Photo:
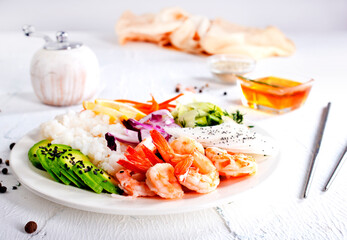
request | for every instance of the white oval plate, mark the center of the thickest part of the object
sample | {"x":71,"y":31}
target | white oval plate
{"x":43,"y":185}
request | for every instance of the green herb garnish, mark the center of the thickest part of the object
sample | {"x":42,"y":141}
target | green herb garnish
{"x":237,"y":117}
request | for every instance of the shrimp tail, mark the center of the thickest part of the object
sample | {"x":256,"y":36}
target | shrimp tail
{"x":182,"y":168}
{"x":134,"y":161}
{"x":128,"y":165}
{"x":151,"y":156}
{"x":162,"y":145}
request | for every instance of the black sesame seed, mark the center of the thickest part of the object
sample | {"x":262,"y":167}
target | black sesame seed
{"x":80,"y":172}
{"x":7,"y":162}
{"x":35,"y":155}
{"x":225,"y":93}
{"x":4,"y":170}
{"x":49,"y":144}
{"x":109,"y":177}
{"x":101,"y":172}
{"x":0,"y":160}
{"x":14,"y":188}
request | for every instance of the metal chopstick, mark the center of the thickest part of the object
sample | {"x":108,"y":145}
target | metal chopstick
{"x":319,"y":137}
{"x":336,"y":170}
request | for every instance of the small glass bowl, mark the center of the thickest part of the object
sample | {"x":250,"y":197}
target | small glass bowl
{"x":275,"y":94}
{"x":225,"y":67}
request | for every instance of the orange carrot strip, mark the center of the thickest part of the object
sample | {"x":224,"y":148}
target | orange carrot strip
{"x":171,"y":99}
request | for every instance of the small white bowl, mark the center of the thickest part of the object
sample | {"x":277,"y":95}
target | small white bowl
{"x":225,"y":66}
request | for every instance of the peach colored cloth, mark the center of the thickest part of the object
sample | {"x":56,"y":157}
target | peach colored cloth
{"x":198,"y":34}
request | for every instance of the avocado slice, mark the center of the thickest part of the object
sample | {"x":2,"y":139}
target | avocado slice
{"x":33,"y":156}
{"x":52,"y":151}
{"x":65,"y":166}
{"x":69,"y":160}
{"x":50,"y":160}
{"x":74,"y":179}
{"x":41,"y":154}
{"x":58,"y":150}
{"x":86,"y":177}
{"x":98,"y":175}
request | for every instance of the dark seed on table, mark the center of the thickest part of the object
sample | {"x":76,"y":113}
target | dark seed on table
{"x":0,"y":184}
{"x":3,"y":189}
{"x":200,"y":91}
{"x":12,"y":145}
{"x":30,"y":227}
{"x":225,"y":93}
{"x":4,"y":170}
{"x":14,"y":188}
{"x":0,"y":160}
{"x":7,"y":162}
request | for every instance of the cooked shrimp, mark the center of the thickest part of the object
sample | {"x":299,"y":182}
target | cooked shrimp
{"x":131,"y":186}
{"x":186,"y":145}
{"x":202,"y":176}
{"x":231,"y":165}
{"x":194,"y":171}
{"x":161,"y":179}
{"x":165,"y":150}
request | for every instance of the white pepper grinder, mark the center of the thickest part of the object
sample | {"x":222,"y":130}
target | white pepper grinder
{"x":63,"y":73}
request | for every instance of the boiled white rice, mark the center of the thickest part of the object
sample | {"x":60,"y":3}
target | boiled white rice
{"x":86,"y":131}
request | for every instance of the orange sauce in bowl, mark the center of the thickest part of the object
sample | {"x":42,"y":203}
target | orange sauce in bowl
{"x":274,"y":93}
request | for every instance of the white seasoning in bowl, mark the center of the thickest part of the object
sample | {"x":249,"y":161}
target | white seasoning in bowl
{"x":230,"y":67}
{"x":224,"y":67}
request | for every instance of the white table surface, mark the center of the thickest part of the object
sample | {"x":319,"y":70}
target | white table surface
{"x":273,"y":210}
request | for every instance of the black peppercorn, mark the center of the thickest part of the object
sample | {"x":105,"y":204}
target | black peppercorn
{"x":3,"y":189}
{"x":4,"y":170}
{"x":30,"y":227}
